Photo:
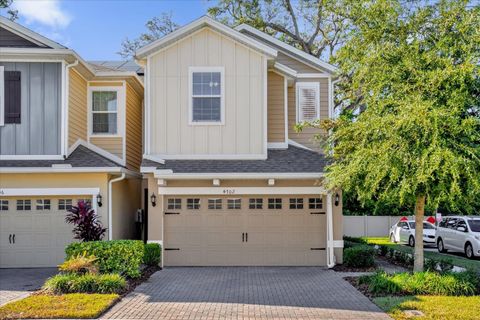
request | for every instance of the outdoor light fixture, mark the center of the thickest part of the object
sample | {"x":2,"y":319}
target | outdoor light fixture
{"x":153,"y":199}
{"x":337,"y":199}
{"x":99,"y":200}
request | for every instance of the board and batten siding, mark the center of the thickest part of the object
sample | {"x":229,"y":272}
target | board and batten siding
{"x":306,"y":136}
{"x":114,"y":145}
{"x":39,"y":132}
{"x":243,"y":131}
{"x":276,"y":107}
{"x":77,"y":104}
{"x":134,"y":128}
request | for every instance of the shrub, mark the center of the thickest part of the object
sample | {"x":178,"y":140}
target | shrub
{"x":117,"y":256}
{"x":79,"y":264}
{"x":426,"y":283}
{"x":359,"y":257}
{"x":86,"y":283}
{"x":87,"y":225}
{"x":355,"y":239}
{"x":152,"y":254}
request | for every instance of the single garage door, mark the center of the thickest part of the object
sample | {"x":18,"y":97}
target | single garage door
{"x":245,"y":231}
{"x":33,"y":231}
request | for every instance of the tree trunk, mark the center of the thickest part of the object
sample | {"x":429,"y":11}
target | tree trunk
{"x":419,"y":215}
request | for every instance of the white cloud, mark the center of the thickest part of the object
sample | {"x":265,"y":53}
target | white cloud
{"x":46,"y":12}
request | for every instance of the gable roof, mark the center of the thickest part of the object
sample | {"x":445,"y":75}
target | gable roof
{"x":200,"y":23}
{"x":29,"y":35}
{"x":301,"y":55}
{"x":109,"y":65}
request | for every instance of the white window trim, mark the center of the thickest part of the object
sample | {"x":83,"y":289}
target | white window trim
{"x":191,"y":70}
{"x":316,"y":86}
{"x":2,"y":96}
{"x":121,"y":106}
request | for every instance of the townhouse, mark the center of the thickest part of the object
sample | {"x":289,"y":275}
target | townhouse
{"x":228,"y":180}
{"x":69,"y":130}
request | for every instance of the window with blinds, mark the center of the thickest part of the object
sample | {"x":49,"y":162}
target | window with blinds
{"x":308,"y":101}
{"x":206,"y":95}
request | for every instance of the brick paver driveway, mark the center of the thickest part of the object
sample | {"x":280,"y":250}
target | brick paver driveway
{"x":19,"y":283}
{"x":245,"y":293}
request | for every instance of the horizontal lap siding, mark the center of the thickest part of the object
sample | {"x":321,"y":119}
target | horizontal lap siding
{"x":114,"y":145}
{"x":242,"y":132}
{"x":276,"y":108}
{"x":77,"y":102}
{"x":133,"y":129}
{"x":306,"y":137}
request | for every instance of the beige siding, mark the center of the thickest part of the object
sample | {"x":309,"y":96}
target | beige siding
{"x":105,"y":84}
{"x":114,"y":145}
{"x":306,"y":137}
{"x":77,"y":102}
{"x":125,"y":202}
{"x":276,"y":107}
{"x":243,"y":131}
{"x":133,"y":129}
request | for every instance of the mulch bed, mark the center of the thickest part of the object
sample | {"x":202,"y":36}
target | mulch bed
{"x":147,"y":271}
{"x":344,"y":268}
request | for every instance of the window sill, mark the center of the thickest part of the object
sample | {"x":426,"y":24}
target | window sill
{"x":206,"y":123}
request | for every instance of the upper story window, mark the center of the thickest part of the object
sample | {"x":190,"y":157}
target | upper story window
{"x":207,"y":97}
{"x":308,"y":101}
{"x":104,"y":112}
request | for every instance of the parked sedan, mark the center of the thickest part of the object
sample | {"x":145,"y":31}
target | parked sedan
{"x":461,"y":234}
{"x":404,"y":232}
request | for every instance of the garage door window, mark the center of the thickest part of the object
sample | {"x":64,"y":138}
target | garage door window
{"x":296,"y":203}
{"x":275,"y":203}
{"x":255,"y":203}
{"x":174,"y":204}
{"x":64,"y":204}
{"x":315,"y":203}
{"x":214,"y":204}
{"x":43,"y":204}
{"x":234,"y":203}
{"x":23,"y":205}
{"x":3,"y":205}
{"x":193,"y":204}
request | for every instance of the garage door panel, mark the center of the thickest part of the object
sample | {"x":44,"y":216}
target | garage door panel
{"x":281,"y":237}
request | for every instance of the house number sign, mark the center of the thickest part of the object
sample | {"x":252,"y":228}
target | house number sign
{"x":228,"y":191}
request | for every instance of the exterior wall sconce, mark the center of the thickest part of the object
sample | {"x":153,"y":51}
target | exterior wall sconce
{"x":153,"y":199}
{"x":99,"y":200}
{"x":337,"y":199}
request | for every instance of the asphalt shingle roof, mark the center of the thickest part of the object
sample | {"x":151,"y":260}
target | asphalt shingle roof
{"x":293,"y":160}
{"x":80,"y":157}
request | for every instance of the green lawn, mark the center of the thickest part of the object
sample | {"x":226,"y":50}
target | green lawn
{"x":433,"y":307}
{"x":75,"y":305}
{"x":456,"y":260}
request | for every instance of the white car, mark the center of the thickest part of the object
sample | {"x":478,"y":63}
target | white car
{"x":404,"y":232}
{"x":459,"y":233}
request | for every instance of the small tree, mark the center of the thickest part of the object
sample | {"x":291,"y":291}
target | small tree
{"x":87,"y":227}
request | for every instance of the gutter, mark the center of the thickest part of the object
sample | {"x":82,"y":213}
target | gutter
{"x":246,"y":176}
{"x":110,"y":196}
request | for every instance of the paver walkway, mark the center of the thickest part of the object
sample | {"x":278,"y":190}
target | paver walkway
{"x":245,"y":293}
{"x":19,"y":283}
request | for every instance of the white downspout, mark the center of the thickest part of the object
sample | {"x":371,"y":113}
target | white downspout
{"x":110,"y":196}
{"x":330,"y":252}
{"x":67,"y":104}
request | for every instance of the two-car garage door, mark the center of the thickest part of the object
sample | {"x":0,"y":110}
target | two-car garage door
{"x":244,"y":231}
{"x":33,"y":231}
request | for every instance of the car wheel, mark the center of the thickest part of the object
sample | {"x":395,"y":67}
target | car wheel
{"x":469,"y":251}
{"x":441,"y":247}
{"x":392,"y":238}
{"x":411,"y":241}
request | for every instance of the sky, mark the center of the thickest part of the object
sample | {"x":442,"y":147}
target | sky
{"x":95,"y":29}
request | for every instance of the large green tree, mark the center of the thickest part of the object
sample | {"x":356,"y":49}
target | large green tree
{"x":417,"y":139}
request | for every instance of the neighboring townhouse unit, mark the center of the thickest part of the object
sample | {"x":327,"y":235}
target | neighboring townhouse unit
{"x":228,"y":181}
{"x":69,"y":130}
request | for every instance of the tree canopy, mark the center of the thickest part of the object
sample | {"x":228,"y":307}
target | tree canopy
{"x":418,"y":137}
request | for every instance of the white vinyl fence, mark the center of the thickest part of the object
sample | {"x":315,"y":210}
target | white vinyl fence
{"x":369,"y":226}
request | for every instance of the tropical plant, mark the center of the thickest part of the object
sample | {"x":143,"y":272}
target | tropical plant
{"x":87,"y":226}
{"x":80,"y":264}
{"x":86,"y":283}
